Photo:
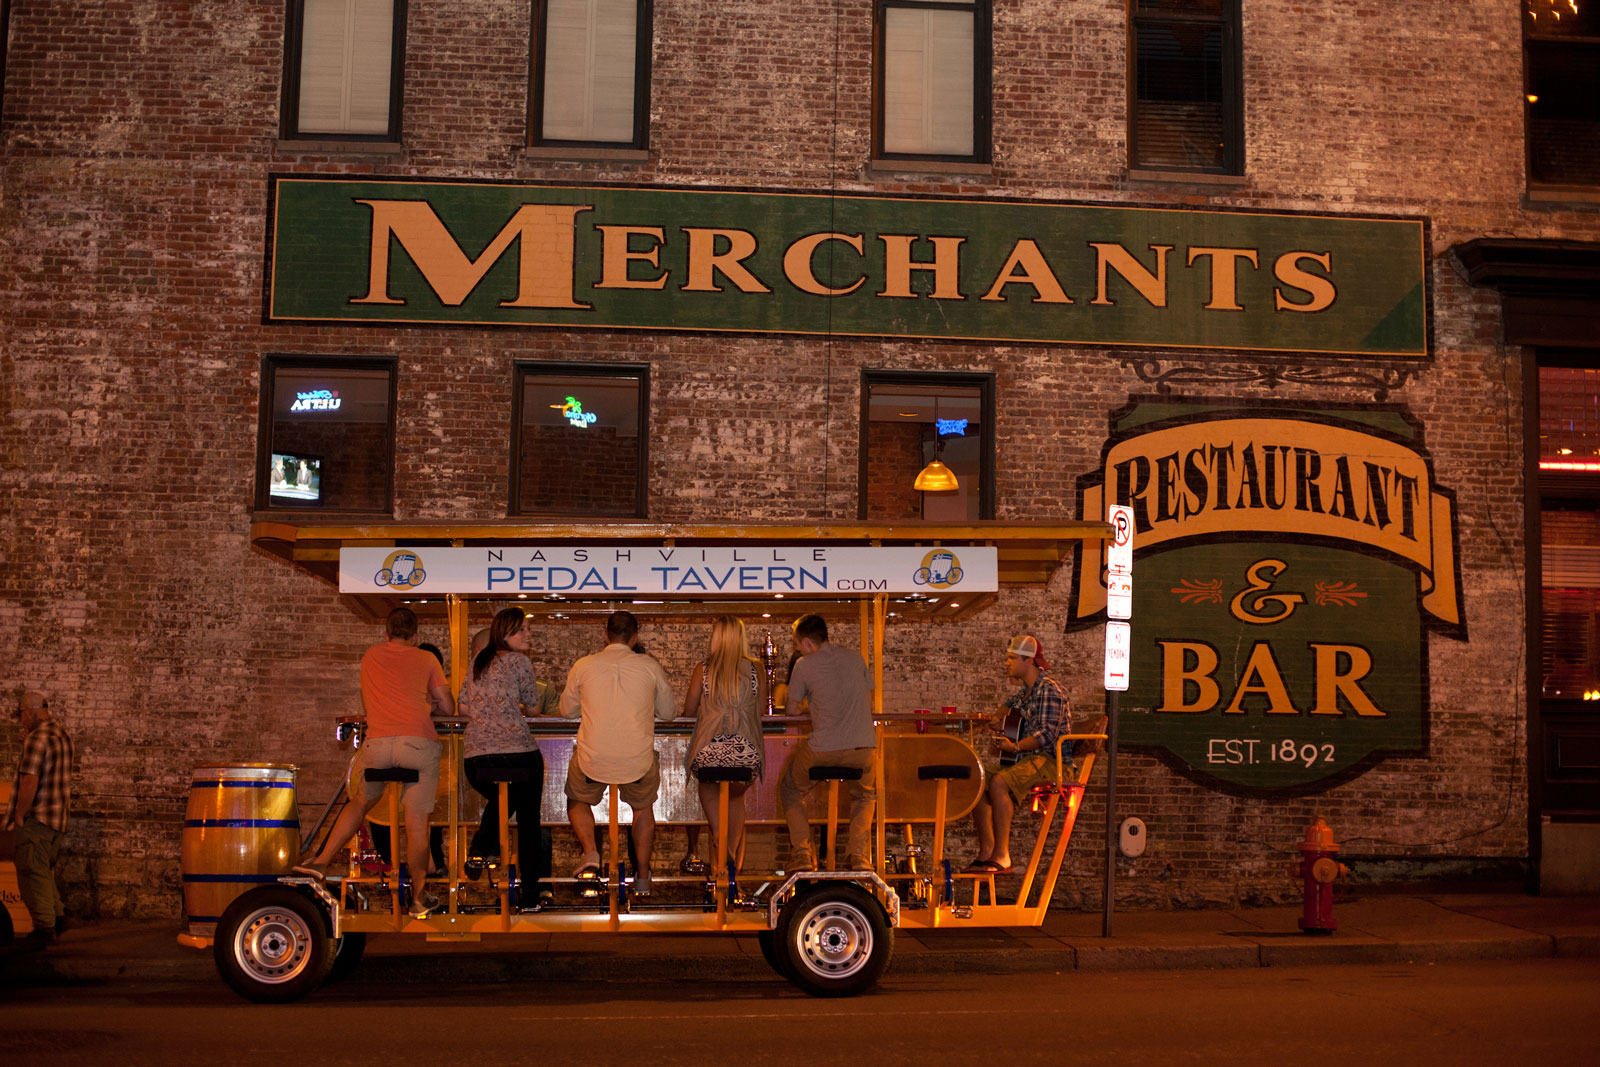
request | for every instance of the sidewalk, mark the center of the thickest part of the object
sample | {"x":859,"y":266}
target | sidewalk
{"x":1376,"y":927}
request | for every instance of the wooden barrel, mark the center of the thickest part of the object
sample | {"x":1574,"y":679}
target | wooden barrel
{"x":241,"y":830}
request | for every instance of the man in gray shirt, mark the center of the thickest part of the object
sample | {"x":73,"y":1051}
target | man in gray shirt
{"x":838,"y":687}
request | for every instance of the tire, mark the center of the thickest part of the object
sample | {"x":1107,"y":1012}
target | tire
{"x":773,"y":953}
{"x":272,"y":945}
{"x":922,"y":576}
{"x":835,"y":940}
{"x":953,"y":576}
{"x":347,"y":952}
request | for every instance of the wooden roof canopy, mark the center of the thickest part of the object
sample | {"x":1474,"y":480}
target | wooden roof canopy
{"x":1029,"y":554}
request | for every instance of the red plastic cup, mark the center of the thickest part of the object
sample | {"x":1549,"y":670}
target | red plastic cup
{"x":922,"y":722}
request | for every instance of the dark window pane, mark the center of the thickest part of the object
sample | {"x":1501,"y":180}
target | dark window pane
{"x":1571,"y":603}
{"x":331,"y":443}
{"x":1179,"y":96}
{"x":580,"y":449}
{"x":1561,"y":18}
{"x":1569,"y":418}
{"x":1204,"y":8}
{"x":1564,"y":112}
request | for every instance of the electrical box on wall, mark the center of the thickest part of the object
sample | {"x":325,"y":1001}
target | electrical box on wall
{"x":1131,"y":839}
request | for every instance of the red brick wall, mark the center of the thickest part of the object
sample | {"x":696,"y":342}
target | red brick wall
{"x":133,"y":216}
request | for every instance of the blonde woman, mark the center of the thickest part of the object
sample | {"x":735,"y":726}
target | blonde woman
{"x":726,"y":693}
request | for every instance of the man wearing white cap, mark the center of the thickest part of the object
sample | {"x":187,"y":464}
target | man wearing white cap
{"x":1039,"y":712}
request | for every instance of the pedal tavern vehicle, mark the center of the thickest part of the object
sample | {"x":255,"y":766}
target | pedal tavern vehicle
{"x":276,"y":936}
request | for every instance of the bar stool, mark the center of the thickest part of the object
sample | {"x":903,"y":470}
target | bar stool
{"x":725,"y":777}
{"x":943,"y":774}
{"x":833,"y":775}
{"x":503,"y":777}
{"x":393,"y":778}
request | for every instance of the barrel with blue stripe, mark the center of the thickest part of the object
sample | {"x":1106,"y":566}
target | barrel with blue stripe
{"x":241,"y":830}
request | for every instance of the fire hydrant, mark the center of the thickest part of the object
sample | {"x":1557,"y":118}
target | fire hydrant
{"x":1317,"y":868}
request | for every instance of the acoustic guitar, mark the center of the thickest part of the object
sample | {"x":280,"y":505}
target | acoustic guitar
{"x":1011,"y":730}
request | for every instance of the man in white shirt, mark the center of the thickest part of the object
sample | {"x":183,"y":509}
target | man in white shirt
{"x":618,"y":693}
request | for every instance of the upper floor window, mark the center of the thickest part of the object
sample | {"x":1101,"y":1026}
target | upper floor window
{"x":933,"y":79}
{"x":1187,"y":106}
{"x":327,"y":434}
{"x":345,"y":64}
{"x":580,"y":434}
{"x":909,"y":423}
{"x":1561,"y":39}
{"x":591,"y":72}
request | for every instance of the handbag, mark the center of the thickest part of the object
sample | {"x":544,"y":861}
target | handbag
{"x":726,"y":750}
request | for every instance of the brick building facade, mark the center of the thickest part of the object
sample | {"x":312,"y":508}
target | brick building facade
{"x":140,"y":146}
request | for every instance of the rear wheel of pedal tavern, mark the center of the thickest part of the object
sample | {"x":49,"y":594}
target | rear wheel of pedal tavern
{"x":241,"y":830}
{"x":272,"y":945}
{"x":834,"y":940}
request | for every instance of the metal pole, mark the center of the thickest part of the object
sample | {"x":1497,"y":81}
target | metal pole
{"x":1111,"y":809}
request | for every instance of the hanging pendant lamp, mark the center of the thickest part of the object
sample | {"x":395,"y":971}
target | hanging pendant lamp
{"x":936,"y":477}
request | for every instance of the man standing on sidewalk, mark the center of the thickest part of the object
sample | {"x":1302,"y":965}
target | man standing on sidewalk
{"x":618,"y":692}
{"x":38,"y":814}
{"x":837,"y":687}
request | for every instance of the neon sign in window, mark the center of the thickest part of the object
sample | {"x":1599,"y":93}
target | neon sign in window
{"x":951,"y":427}
{"x":316,"y":400}
{"x":573,"y":410}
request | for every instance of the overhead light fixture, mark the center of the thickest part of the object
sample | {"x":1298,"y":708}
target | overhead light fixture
{"x":936,"y":477}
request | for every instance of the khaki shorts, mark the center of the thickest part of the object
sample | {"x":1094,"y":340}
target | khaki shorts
{"x":421,"y":754}
{"x":1036,"y":768}
{"x":582,"y":789}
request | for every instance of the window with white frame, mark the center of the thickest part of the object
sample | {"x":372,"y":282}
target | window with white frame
{"x":591,"y":72}
{"x":933,"y":79}
{"x":345,"y":65}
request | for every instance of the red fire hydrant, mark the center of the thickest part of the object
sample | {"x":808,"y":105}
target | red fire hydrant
{"x":1317,"y":868}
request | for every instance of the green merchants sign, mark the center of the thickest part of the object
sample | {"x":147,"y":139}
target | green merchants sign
{"x":695,"y":259}
{"x":1289,"y":563}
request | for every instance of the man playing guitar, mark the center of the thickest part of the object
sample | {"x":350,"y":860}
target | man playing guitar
{"x":1033,"y":718}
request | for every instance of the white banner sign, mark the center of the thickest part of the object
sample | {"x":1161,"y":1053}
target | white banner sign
{"x":630,"y":571}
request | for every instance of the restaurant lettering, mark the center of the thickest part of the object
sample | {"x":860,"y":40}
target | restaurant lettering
{"x":1289,"y":563}
{"x":500,"y":254}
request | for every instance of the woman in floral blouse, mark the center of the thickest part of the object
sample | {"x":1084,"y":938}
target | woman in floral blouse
{"x":500,"y":684}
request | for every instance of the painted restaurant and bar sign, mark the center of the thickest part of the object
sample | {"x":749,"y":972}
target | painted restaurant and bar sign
{"x":1289,"y":563}
{"x":615,"y":257}
{"x":627,"y":571}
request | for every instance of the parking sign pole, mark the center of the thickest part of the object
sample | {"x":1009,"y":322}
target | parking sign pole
{"x":1119,"y":660}
{"x":1111,"y":809}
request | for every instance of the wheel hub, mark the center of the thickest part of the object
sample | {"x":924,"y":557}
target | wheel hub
{"x":836,"y":941}
{"x":273,"y":946}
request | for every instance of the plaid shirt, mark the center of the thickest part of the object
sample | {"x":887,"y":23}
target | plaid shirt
{"x":1044,"y":712}
{"x":47,"y":753}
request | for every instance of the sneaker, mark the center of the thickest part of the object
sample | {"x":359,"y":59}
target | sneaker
{"x":858,"y":863}
{"x":319,"y":871}
{"x":422,"y":903}
{"x":589,"y":866}
{"x":642,"y":884}
{"x":40,"y":937}
{"x":692,"y":864}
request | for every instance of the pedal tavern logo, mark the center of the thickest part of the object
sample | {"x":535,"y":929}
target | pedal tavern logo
{"x":1288,"y":563}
